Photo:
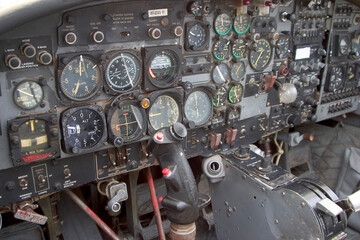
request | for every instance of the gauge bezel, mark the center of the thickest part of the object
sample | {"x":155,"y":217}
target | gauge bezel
{"x":205,"y":45}
{"x":248,"y":27}
{"x":243,"y":76}
{"x":245,"y":51}
{"x":139,"y":134}
{"x":327,"y":86}
{"x":176,"y":93}
{"x":65,"y":115}
{"x":51,"y":152}
{"x":215,"y":95}
{"x":108,"y":88}
{"x":230,"y":27}
{"x":270,"y":57}
{"x":65,"y":60}
{"x":209,"y":91}
{"x":229,"y":92}
{"x":277,"y":50}
{"x":24,"y":81}
{"x":227,"y":53}
{"x":226,"y":80}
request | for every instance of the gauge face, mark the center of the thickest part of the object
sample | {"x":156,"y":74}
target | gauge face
{"x":163,"y":67}
{"x":28,"y":94}
{"x":355,"y":49}
{"x":283,"y":47}
{"x":235,"y":93}
{"x":335,"y":79}
{"x":195,"y":7}
{"x":239,"y":48}
{"x":221,"y":49}
{"x":344,"y":46}
{"x":198,"y":107}
{"x":238,"y":71}
{"x":220,"y":74}
{"x":260,"y":55}
{"x":164,"y":112}
{"x":241,"y":24}
{"x":122,"y":72}
{"x":223,"y":24}
{"x":351,"y":72}
{"x":220,"y":97}
{"x":196,"y":36}
{"x":80,"y":78}
{"x":127,"y":122}
{"x":33,"y":136}
{"x":83,"y":129}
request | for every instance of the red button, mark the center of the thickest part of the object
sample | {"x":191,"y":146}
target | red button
{"x":268,"y":3}
{"x":160,"y":136}
{"x":160,"y":199}
{"x":166,"y":171}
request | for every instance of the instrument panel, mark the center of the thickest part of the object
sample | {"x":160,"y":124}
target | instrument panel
{"x":101,"y":78}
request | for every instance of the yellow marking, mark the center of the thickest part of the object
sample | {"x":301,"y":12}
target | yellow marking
{"x":154,"y":114}
{"x":32,"y":127}
{"x":25,"y":93}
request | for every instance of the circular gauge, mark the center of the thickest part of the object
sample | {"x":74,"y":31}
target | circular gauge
{"x":260,"y":55}
{"x":239,"y":48}
{"x":335,"y":79}
{"x":235,"y":93}
{"x":198,"y":107}
{"x":80,"y":79}
{"x":221,"y":49}
{"x":33,"y":136}
{"x":195,"y":7}
{"x":223,"y":24}
{"x":220,"y":74}
{"x":355,"y":49}
{"x":351,"y":72}
{"x":196,"y":36}
{"x":238,"y":71}
{"x":122,"y":72}
{"x":164,"y":112}
{"x":283,"y":47}
{"x":83,"y":129}
{"x":126,"y":122}
{"x":241,"y":24}
{"x":28,"y":94}
{"x":164,"y":67}
{"x":220,"y":97}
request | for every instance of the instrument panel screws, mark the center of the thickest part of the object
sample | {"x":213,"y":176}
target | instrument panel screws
{"x":276,"y":221}
{"x":283,"y":193}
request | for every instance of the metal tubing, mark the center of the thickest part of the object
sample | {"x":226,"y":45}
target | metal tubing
{"x":155,"y":204}
{"x":93,"y":215}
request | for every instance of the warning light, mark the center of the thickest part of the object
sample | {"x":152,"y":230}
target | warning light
{"x":145,"y":103}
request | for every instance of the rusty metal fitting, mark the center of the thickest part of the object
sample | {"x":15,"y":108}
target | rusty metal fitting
{"x":182,"y":232}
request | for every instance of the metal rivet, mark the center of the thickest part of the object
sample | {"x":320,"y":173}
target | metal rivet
{"x":276,"y":221}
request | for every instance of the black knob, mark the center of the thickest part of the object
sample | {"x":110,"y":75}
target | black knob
{"x":10,"y":185}
{"x":70,"y":38}
{"x":45,"y":58}
{"x":57,"y":186}
{"x":28,"y":50}
{"x":178,"y":131}
{"x":13,"y":61}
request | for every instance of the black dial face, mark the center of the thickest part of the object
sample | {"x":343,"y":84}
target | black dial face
{"x":80,"y":79}
{"x":220,"y":74}
{"x":221,"y":49}
{"x":28,"y":94}
{"x":127,"y":122}
{"x":238,"y":71}
{"x":220,"y":97}
{"x":195,"y":7}
{"x":355,"y":49}
{"x":260,"y":55}
{"x":83,"y":129}
{"x":196,"y":36}
{"x":198,"y":107}
{"x":223,"y":24}
{"x":335,"y":79}
{"x":239,"y":48}
{"x":164,"y":112}
{"x":351,"y":72}
{"x":164,"y":66}
{"x":33,"y":136}
{"x":241,"y":24}
{"x":283,"y":47}
{"x":344,"y":45}
{"x":235,"y":93}
{"x":122,"y":72}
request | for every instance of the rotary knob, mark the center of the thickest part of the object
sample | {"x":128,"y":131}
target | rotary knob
{"x":13,"y":61}
{"x":28,"y":50}
{"x":98,"y":36}
{"x":70,"y":38}
{"x":44,"y":57}
{"x":154,"y":33}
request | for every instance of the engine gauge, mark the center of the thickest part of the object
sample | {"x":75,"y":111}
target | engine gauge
{"x":351,"y":73}
{"x":238,"y":71}
{"x":283,"y":47}
{"x":241,"y":24}
{"x":239,"y":48}
{"x":33,"y":135}
{"x":223,"y":24}
{"x":80,"y":79}
{"x":235,"y":93}
{"x":164,"y":112}
{"x":163,"y":68}
{"x":220,"y":74}
{"x":83,"y":128}
{"x":127,"y":122}
{"x":260,"y":55}
{"x":220,"y":97}
{"x":198,"y":107}
{"x":335,"y":79}
{"x":221,"y":49}
{"x":196,"y":36}
{"x":28,"y":94}
{"x":123,"y":72}
{"x":355,"y":49}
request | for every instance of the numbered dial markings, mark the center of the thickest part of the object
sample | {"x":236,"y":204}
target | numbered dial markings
{"x":123,"y":72}
{"x":239,"y":48}
{"x":223,"y":24}
{"x":260,"y":55}
{"x":241,"y":24}
{"x":80,"y":78}
{"x":221,"y":49}
{"x":198,"y":107}
{"x":220,"y":97}
{"x":238,"y":71}
{"x":220,"y":74}
{"x":335,"y":80}
{"x":196,"y":36}
{"x":28,"y":94}
{"x":164,"y":112}
{"x":33,"y":136}
{"x":163,"y":66}
{"x":235,"y":93}
{"x":283,"y":47}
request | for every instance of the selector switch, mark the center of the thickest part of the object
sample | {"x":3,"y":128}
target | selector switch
{"x":23,"y":182}
{"x":215,"y":140}
{"x":41,"y":179}
{"x":98,"y":36}
{"x":28,"y":50}
{"x":70,"y":38}
{"x":67,"y":172}
{"x":230,"y":135}
{"x":154,"y":33}
{"x":44,"y":57}
{"x":13,"y":61}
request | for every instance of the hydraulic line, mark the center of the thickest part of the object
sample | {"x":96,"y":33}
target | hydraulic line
{"x":93,"y":215}
{"x":155,"y":204}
